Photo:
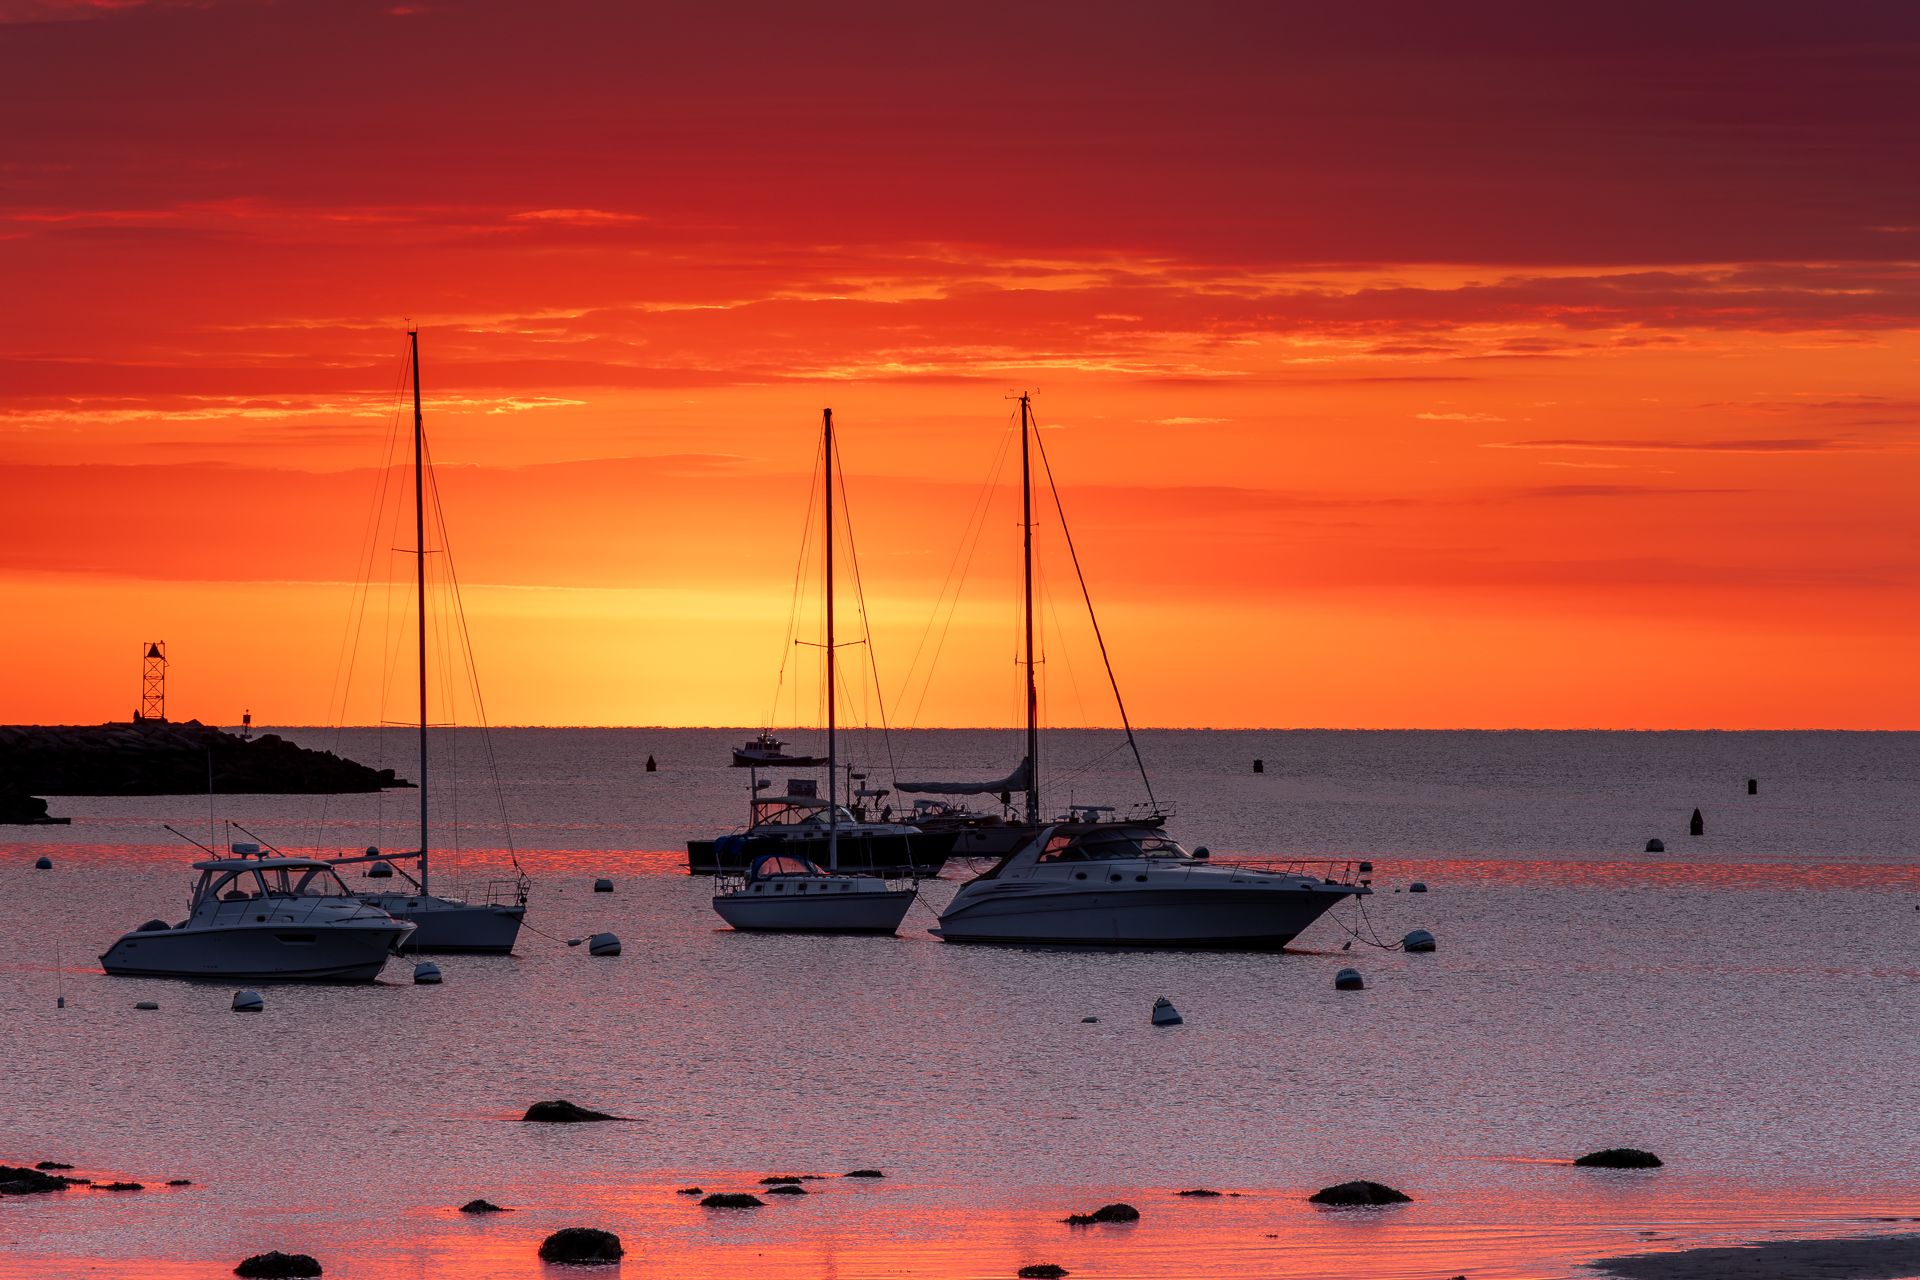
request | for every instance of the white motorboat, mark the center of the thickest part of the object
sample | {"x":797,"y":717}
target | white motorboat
{"x":264,"y":919}
{"x":1112,"y":885}
{"x":782,"y":893}
{"x":783,"y":890}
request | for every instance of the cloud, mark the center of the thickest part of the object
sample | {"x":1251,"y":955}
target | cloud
{"x":1459,"y":417}
{"x":1185,"y":422}
{"x":1696,"y":446}
{"x":1619,"y":491}
{"x":577,"y":217}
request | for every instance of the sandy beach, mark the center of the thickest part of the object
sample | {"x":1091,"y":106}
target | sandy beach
{"x":1860,"y":1258}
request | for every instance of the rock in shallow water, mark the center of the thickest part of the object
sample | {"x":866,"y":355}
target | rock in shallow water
{"x":787,"y":1189}
{"x":560,"y":1111}
{"x":277,"y":1265}
{"x":732,"y":1200}
{"x":1197,"y":1191}
{"x":581,"y":1246}
{"x":482,"y":1206}
{"x":865,"y":1173}
{"x":1359,"y":1193}
{"x":27,"y":1182}
{"x":1620,"y":1158}
{"x":1105,"y":1213}
{"x":1042,"y":1271}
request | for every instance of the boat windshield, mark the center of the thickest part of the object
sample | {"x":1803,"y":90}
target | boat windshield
{"x":276,"y":882}
{"x":1109,"y":846}
{"x":777,"y":813}
{"x":781,"y":864}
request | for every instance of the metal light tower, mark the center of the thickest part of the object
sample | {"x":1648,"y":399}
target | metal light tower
{"x":153,"y":682}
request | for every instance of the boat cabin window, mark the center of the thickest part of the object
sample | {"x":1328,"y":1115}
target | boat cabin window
{"x":1109,"y":847}
{"x":781,"y":813}
{"x":781,"y":864}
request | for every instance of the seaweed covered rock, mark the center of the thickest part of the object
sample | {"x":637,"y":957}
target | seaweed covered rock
{"x":787,"y":1189}
{"x":118,"y":1186}
{"x":731,"y":1200}
{"x":689,"y":1191}
{"x":1105,"y":1213}
{"x":482,"y":1206}
{"x":560,"y":1111}
{"x":278,"y":1266}
{"x":778,"y":1178}
{"x":865,"y":1173}
{"x":52,"y":1164}
{"x":581,"y":1246}
{"x":1359,"y":1193}
{"x":180,"y":1182}
{"x":29,"y":1182}
{"x":1620,"y":1158}
{"x":1197,"y":1191}
{"x":1042,"y":1271}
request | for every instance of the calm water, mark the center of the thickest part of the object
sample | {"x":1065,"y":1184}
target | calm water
{"x":1742,"y":1005}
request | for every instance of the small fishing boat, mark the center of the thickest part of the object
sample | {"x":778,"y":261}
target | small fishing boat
{"x":765,"y":750}
{"x":783,"y":889}
{"x":1128,"y":885}
{"x":264,"y":918}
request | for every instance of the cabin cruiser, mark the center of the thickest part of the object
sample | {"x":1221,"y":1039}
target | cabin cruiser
{"x":765,"y":750}
{"x":784,"y":893}
{"x":804,"y":826}
{"x":1129,"y":885}
{"x":264,"y":919}
{"x":447,"y":926}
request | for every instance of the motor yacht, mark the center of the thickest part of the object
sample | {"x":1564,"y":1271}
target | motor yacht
{"x":264,"y":919}
{"x":782,"y":893}
{"x":1111,"y":884}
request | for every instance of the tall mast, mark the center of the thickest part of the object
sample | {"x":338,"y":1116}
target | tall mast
{"x":420,"y":585}
{"x":833,"y":762}
{"x":1033,"y":697}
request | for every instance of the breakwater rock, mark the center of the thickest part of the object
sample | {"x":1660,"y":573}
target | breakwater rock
{"x":161,"y":758}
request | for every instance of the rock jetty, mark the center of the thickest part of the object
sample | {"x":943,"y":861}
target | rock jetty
{"x":161,"y":758}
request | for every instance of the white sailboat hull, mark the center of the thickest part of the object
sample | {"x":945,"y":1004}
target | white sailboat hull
{"x":446,"y":927}
{"x":786,"y":911}
{"x":351,"y":951}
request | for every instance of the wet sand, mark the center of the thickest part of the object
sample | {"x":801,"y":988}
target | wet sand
{"x":1860,"y":1258}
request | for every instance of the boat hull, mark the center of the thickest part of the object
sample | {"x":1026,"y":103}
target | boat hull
{"x":453,"y":928}
{"x":270,"y":952}
{"x":769,"y":912}
{"x":921,"y":853}
{"x":1223,"y":919}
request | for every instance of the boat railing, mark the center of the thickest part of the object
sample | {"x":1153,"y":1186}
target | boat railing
{"x":1327,"y":870}
{"x":508,"y":893}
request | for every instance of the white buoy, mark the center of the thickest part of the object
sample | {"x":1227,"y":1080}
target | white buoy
{"x":1418,"y":940}
{"x":426,"y":974}
{"x":146,"y":1004}
{"x":248,"y":1002}
{"x":603,"y":885}
{"x":1164,"y":1014}
{"x":1349,"y":980}
{"x":603,"y":944}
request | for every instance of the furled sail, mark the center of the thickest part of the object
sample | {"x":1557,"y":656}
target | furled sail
{"x":1015,"y":781}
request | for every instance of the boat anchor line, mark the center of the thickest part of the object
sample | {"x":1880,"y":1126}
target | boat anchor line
{"x":1360,"y":907}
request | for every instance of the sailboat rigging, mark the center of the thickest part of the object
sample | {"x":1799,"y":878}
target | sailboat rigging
{"x":446,"y":925}
{"x":783,"y":888}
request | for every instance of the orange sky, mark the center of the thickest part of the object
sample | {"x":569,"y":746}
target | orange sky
{"x":1482,"y":368}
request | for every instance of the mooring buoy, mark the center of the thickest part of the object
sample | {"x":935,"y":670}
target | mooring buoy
{"x":1164,"y":1014}
{"x":43,"y":864}
{"x":1418,"y":940}
{"x":1656,"y":845}
{"x":651,"y":766}
{"x":1696,"y":826}
{"x":426,"y":974}
{"x":603,"y":885}
{"x":146,"y":1004}
{"x":248,"y":1002}
{"x":1349,"y":980}
{"x":1753,"y":786}
{"x":1416,"y":887}
{"x":603,"y":944}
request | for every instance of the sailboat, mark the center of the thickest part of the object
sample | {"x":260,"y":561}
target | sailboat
{"x":783,"y":890}
{"x":993,"y":834}
{"x":444,"y":925}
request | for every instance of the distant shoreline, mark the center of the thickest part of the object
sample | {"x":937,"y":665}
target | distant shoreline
{"x":1846,"y":1258}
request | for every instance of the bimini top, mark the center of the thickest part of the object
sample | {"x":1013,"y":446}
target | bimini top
{"x":781,"y":864}
{"x":259,"y":864}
